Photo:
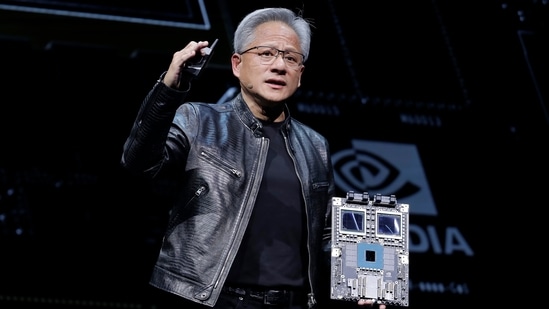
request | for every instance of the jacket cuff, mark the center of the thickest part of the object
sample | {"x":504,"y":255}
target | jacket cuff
{"x":182,"y":81}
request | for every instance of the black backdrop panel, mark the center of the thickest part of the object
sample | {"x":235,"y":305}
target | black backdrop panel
{"x":181,"y":14}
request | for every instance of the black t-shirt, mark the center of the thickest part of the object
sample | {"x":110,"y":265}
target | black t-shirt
{"x":272,"y":253}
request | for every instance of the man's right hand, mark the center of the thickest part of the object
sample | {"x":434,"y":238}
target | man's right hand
{"x":173,"y":76}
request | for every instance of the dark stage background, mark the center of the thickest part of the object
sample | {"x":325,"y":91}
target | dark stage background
{"x":446,"y":97}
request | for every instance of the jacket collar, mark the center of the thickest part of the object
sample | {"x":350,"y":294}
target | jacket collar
{"x":248,"y":117}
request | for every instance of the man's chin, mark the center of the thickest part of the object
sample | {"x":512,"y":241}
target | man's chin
{"x":276,"y":97}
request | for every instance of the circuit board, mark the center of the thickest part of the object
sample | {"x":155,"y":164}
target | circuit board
{"x":370,"y":256}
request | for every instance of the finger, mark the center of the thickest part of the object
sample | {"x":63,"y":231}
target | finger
{"x":365,"y":302}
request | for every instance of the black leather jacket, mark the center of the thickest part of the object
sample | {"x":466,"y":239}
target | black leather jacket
{"x":216,"y":153}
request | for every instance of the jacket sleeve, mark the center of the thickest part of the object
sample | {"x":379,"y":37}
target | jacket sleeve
{"x":143,"y":150}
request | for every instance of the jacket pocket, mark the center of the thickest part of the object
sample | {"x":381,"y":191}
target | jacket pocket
{"x":220,"y":164}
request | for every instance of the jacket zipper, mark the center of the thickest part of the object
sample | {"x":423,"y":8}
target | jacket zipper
{"x":311,"y":301}
{"x":224,"y":166}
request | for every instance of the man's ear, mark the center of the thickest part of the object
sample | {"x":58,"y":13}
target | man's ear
{"x":300,"y":72}
{"x":235,"y":64}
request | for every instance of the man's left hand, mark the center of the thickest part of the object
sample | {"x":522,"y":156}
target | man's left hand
{"x":369,"y":303}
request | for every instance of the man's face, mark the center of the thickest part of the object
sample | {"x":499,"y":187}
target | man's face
{"x":268,"y":84}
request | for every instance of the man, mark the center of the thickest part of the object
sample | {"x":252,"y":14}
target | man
{"x":254,"y":185}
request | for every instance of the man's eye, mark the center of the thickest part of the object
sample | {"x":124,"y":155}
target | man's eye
{"x":290,"y":58}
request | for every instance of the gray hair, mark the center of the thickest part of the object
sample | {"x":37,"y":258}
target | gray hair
{"x":245,"y":32}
